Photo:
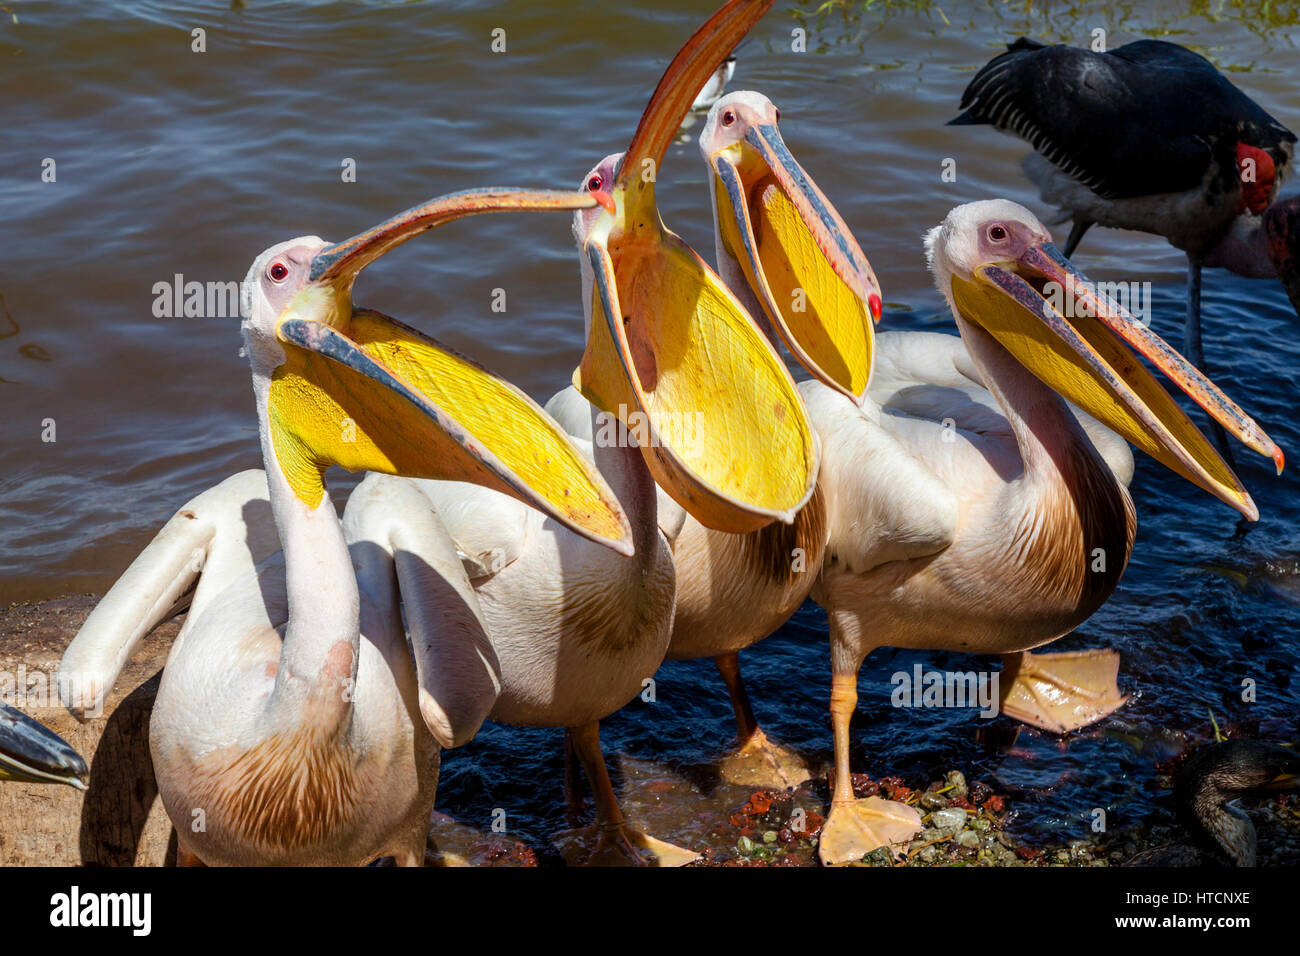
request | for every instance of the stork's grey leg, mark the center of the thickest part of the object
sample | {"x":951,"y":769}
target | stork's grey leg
{"x":1076,"y":233}
{"x":1192,"y":327}
{"x":1195,"y":354}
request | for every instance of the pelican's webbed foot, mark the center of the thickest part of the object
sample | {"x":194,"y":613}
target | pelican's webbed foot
{"x":762,"y":763}
{"x":620,"y":845}
{"x":855,"y":828}
{"x":1061,"y":692}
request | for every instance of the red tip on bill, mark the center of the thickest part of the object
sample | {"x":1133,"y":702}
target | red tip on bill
{"x":875,"y":305}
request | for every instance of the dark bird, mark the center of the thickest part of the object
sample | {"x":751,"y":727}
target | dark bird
{"x":1206,"y":790}
{"x":1150,"y":137}
{"x":31,"y":753}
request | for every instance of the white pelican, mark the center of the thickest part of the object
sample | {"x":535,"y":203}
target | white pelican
{"x":32,"y":753}
{"x":734,"y":589}
{"x":715,"y":86}
{"x":290,"y":724}
{"x":950,"y":526}
{"x":1026,"y":528}
{"x":776,"y":238}
{"x":685,"y":394}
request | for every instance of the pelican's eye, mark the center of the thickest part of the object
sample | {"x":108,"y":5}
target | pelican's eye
{"x":778,"y":116}
{"x":997,"y":234}
{"x":728,"y":117}
{"x":278,"y":271}
{"x":595,"y":182}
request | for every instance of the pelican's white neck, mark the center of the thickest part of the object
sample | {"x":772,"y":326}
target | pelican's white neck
{"x":1050,"y":439}
{"x":318,"y":658}
{"x":614,"y":452}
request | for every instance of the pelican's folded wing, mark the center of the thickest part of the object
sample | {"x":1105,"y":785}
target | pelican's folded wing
{"x":216,"y":537}
{"x":490,"y":529}
{"x":395,"y":537}
{"x":884,"y":504}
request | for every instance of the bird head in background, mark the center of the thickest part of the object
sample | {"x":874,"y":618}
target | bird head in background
{"x":1282,"y":228}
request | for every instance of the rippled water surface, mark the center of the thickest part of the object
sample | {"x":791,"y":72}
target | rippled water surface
{"x":174,"y":162}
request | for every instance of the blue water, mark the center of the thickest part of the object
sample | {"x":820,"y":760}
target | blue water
{"x":170,"y":161}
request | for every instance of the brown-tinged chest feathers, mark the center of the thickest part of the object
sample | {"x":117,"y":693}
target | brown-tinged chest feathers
{"x":291,"y":790}
{"x":781,"y":554}
{"x":1072,"y":543}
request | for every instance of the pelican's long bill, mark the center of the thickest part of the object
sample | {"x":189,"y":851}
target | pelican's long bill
{"x":799,"y":258}
{"x":1086,"y":358}
{"x":361,"y":390}
{"x":697,"y":61}
{"x":31,"y":753}
{"x":670,"y":350}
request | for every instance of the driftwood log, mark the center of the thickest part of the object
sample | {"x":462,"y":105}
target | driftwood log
{"x":119,"y":821}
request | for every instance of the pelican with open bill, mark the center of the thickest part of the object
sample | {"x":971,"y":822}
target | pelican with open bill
{"x":800,"y":261}
{"x":31,"y":753}
{"x":307,"y":696}
{"x":668,"y":339}
{"x":1084,"y":358}
{"x":387,"y":366}
{"x":987,"y":535}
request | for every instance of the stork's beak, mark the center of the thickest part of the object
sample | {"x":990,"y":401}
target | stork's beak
{"x":361,"y":390}
{"x":1088,"y":358}
{"x":800,"y":259}
{"x":671,"y":351}
{"x":31,"y":753}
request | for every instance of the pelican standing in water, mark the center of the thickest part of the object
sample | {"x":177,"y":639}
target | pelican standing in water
{"x":291,"y":725}
{"x":32,"y":753}
{"x":952,"y":526}
{"x":734,"y":589}
{"x":685,"y":395}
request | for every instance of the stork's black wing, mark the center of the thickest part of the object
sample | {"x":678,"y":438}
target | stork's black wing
{"x":1147,"y":118}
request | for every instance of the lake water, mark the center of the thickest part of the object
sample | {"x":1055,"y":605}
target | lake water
{"x":172,"y":162}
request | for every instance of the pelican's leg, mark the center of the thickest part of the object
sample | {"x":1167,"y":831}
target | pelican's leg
{"x":612,"y":841}
{"x":855,"y":827}
{"x":1194,"y":353}
{"x":1060,"y":692}
{"x":1077,"y":230}
{"x":756,"y":761}
{"x":572,"y":780}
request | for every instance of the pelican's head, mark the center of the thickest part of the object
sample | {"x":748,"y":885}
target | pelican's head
{"x":996,"y":265}
{"x":31,"y":753}
{"x":1282,"y":230}
{"x":275,"y":277}
{"x":597,"y":184}
{"x":344,"y":386}
{"x":990,"y":232}
{"x":798,"y":257}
